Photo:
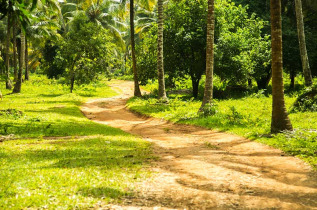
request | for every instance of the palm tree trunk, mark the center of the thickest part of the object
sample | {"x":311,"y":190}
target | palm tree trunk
{"x":160,"y":55}
{"x":18,"y":84}
{"x":27,"y":76}
{"x":302,"y":43}
{"x":208,"y":93}
{"x":137,"y":91}
{"x":280,"y":120}
{"x":7,"y":59}
{"x":15,"y":66}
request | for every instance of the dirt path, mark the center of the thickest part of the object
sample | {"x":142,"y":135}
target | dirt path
{"x":235,"y":173}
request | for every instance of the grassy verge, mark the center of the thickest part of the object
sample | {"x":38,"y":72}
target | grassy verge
{"x":52,"y":157}
{"x":248,"y":116}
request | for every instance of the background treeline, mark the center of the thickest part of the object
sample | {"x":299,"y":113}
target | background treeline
{"x":75,"y":41}
{"x":242,"y":43}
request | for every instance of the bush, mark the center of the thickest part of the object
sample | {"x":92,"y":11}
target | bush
{"x":306,"y":102}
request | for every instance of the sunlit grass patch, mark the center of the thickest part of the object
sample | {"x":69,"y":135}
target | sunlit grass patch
{"x":69,"y":173}
{"x":51,"y":156}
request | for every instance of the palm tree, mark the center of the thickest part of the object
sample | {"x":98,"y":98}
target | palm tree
{"x":160,"y":55}
{"x":45,"y":24}
{"x":7,"y":62}
{"x":14,"y":26}
{"x":105,"y":14}
{"x":26,"y":57}
{"x":137,"y":91}
{"x":208,"y":93}
{"x":18,"y":83}
{"x":14,"y":10}
{"x":302,"y":43}
{"x":145,"y":4}
{"x":144,"y":20}
{"x":280,"y":120}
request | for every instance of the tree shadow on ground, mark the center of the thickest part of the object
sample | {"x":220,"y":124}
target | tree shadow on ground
{"x":295,"y":190}
{"x":87,"y":153}
{"x":101,"y":192}
{"x":68,"y":111}
{"x":269,"y":168}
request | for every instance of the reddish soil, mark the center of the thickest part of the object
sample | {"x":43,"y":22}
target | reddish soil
{"x":204,"y":169}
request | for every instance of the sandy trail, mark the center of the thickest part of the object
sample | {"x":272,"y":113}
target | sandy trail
{"x":234,"y":173}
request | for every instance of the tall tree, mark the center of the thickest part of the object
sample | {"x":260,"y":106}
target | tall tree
{"x":14,"y":25}
{"x":18,"y":83}
{"x":280,"y":120}
{"x":7,"y":60}
{"x":160,"y":55}
{"x":137,"y":91}
{"x":26,"y":57}
{"x":302,"y":43}
{"x":208,"y":93}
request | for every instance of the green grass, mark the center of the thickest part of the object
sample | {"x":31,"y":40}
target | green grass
{"x":53,"y":157}
{"x":249,"y":116}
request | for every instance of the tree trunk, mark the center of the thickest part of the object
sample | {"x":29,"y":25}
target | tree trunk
{"x":18,"y":84}
{"x":72,"y":81}
{"x":263,"y":82}
{"x":137,"y":91}
{"x":208,"y":92}
{"x":280,"y":120}
{"x":302,"y":43}
{"x":292,"y":76}
{"x":160,"y":55}
{"x":15,"y":66}
{"x":195,"y":84}
{"x":27,"y":76}
{"x":7,"y":58}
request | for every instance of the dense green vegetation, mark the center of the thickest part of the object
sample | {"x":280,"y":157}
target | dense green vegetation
{"x":54,"y":157}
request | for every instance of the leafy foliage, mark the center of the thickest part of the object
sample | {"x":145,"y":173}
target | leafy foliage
{"x":86,"y":51}
{"x":306,"y":102}
{"x":241,"y":53}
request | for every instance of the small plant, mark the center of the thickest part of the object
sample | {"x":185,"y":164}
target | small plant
{"x":209,"y":110}
{"x":211,"y":146}
{"x":306,"y":102}
{"x":12,"y":113}
{"x":234,"y":116}
{"x":167,"y":130}
{"x":259,"y":94}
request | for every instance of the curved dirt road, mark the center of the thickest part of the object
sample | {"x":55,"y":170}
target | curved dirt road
{"x":204,"y":169}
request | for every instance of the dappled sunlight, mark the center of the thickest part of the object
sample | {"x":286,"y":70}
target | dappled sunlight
{"x":200,"y":168}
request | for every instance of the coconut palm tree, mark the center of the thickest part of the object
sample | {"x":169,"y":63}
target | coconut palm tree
{"x":105,"y":14}
{"x":22,"y":12}
{"x":144,"y":20}
{"x":280,"y":120}
{"x":137,"y":91}
{"x":45,"y":24}
{"x":18,"y":82}
{"x":160,"y":55}
{"x":146,"y":4}
{"x":302,"y":43}
{"x":208,"y":93}
{"x":14,"y":37}
{"x":7,"y":62}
